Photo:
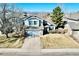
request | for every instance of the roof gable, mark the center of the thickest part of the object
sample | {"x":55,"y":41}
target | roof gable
{"x":33,"y":17}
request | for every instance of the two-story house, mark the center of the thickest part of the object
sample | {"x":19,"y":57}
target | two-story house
{"x":36,"y":26}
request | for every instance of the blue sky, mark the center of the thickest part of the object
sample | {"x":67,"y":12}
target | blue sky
{"x":48,"y":7}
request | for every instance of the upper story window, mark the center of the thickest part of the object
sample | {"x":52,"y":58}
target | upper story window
{"x":30,"y":22}
{"x":33,"y":22}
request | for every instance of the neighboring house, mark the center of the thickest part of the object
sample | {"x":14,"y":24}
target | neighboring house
{"x":74,"y":24}
{"x":36,"y":26}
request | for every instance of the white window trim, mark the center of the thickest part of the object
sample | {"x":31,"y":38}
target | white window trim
{"x":33,"y":23}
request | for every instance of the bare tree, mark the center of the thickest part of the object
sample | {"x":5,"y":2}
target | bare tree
{"x":19,"y":24}
{"x":6,"y":25}
{"x":14,"y":19}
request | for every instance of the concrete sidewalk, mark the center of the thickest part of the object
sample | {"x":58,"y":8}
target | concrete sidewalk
{"x":43,"y":52}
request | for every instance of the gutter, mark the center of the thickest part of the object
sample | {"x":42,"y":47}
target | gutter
{"x":75,"y":29}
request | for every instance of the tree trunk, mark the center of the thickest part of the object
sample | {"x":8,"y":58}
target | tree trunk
{"x":7,"y":35}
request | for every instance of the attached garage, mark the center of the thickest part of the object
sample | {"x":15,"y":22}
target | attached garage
{"x":34,"y":32}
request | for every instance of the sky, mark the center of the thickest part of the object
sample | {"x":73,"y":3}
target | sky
{"x":48,"y":7}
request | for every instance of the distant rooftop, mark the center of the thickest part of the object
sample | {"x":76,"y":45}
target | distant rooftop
{"x":74,"y":26}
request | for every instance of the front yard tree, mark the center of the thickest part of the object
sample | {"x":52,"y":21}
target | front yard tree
{"x":10,"y":19}
{"x":6,"y":26}
{"x":57,"y":15}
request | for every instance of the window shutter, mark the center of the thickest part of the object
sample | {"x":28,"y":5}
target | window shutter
{"x":39,"y":22}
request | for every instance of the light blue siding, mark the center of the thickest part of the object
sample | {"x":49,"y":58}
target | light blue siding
{"x":26,"y":22}
{"x":32,"y":22}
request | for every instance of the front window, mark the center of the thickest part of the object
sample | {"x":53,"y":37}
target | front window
{"x":33,"y":23}
{"x":30,"y":22}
